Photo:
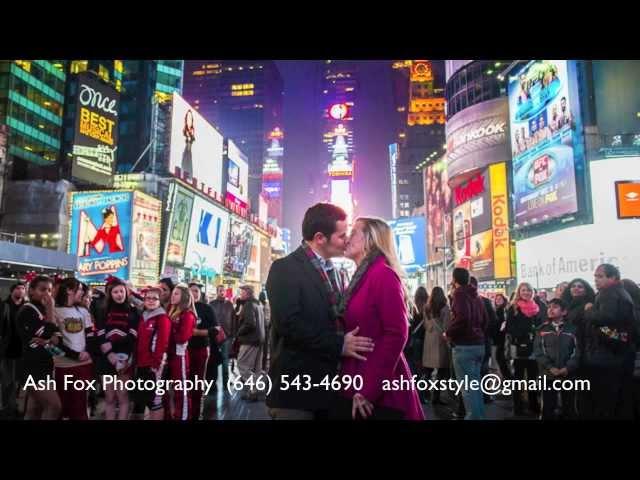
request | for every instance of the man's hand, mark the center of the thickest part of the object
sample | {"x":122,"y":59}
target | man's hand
{"x":563,"y":372}
{"x":588,"y":306}
{"x":84,"y":356}
{"x":554,"y":371}
{"x":106,"y":347}
{"x":362,"y":406}
{"x":354,"y":344}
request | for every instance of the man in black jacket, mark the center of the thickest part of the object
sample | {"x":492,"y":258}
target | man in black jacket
{"x":10,"y":349}
{"x":608,"y":349}
{"x":203,"y":350}
{"x":306,"y":343}
{"x":225,"y":315}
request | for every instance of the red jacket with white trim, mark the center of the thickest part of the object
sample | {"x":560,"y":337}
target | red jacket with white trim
{"x":153,"y":338}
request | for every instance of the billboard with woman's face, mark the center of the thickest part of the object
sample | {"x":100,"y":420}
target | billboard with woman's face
{"x":196,"y":147}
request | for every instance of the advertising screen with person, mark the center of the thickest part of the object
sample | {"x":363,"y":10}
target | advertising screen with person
{"x":546,"y":141}
{"x":237,"y":175}
{"x":410,"y":238}
{"x":439,"y":218}
{"x":239,"y":246}
{"x":101,"y":234}
{"x":146,"y":228}
{"x":196,"y":147}
{"x":179,"y":227}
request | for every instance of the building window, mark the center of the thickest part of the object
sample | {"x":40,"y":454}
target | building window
{"x":78,"y":66}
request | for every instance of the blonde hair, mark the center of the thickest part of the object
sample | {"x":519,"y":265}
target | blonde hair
{"x":517,"y":297}
{"x":378,"y":235}
{"x":186,"y":302}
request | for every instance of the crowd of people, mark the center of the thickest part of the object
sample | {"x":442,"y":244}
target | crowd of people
{"x":331,"y":346}
{"x":576,"y":334}
{"x":63,"y":330}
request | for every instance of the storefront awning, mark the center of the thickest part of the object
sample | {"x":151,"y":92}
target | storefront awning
{"x":36,"y":257}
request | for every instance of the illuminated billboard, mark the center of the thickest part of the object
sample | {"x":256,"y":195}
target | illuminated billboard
{"x":438,"y":202}
{"x":478,"y":136}
{"x":628,"y":198}
{"x":409,"y":234}
{"x":480,"y":224}
{"x":339,"y":111}
{"x":206,"y":239}
{"x":265,"y":257}
{"x":100,"y":234}
{"x":546,"y":141}
{"x":196,"y":147}
{"x":179,"y":221}
{"x":237,"y":176}
{"x":576,"y":252}
{"x":253,"y":268}
{"x":393,"y":167}
{"x":341,"y":196}
{"x":239,"y":243}
{"x":95,"y":138}
{"x":146,"y":228}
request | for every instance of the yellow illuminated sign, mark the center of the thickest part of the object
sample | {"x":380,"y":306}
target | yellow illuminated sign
{"x":500,"y":220}
{"x":96,"y":126}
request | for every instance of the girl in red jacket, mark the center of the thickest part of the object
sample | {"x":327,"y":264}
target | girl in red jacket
{"x":153,"y":341}
{"x":183,"y":320}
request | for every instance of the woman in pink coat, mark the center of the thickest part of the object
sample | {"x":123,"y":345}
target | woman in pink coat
{"x":376,"y":304}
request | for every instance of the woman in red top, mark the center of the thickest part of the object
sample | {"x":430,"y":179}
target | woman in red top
{"x":108,"y":233}
{"x":182,"y":313}
{"x":153,"y":341}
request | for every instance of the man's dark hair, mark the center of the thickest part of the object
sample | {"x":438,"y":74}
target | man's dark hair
{"x":461,"y":276}
{"x":611,"y":271}
{"x":321,"y":218}
{"x":559,"y":302}
{"x":33,"y":284}
{"x":16,"y":285}
{"x":168,"y":282}
{"x":473,"y":281}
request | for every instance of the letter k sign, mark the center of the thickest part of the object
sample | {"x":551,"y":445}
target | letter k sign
{"x":203,"y":229}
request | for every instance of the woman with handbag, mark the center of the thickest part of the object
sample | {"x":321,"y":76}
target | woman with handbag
{"x":523,"y":317}
{"x":375,"y":305}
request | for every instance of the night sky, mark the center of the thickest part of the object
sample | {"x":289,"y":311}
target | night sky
{"x":373,"y":123}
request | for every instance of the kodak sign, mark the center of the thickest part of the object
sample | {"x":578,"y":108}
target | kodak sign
{"x":500,"y":220}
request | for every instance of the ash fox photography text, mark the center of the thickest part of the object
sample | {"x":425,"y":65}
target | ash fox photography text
{"x":160,"y":387}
